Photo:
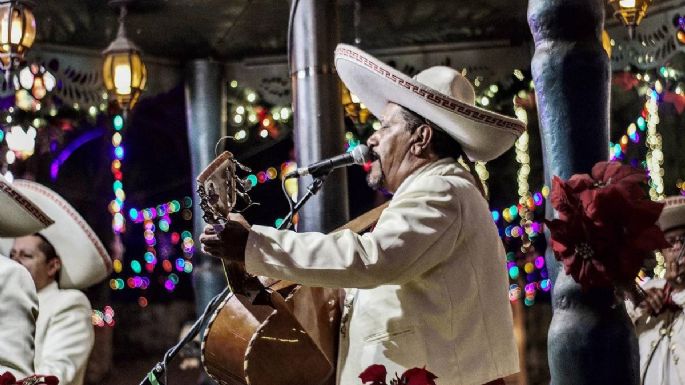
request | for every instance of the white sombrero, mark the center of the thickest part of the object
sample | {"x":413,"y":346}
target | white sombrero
{"x":673,"y":214}
{"x":85,"y":260}
{"x":18,"y":215}
{"x":439,"y":94}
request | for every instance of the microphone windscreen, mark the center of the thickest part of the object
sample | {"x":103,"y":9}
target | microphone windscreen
{"x":361,"y":154}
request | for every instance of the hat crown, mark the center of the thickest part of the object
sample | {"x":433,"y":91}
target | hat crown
{"x":673,"y":214}
{"x":448,"y":81}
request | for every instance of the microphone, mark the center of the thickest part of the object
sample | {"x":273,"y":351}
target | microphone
{"x":359,"y":155}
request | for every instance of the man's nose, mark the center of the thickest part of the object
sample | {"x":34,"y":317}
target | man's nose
{"x":372,"y":141}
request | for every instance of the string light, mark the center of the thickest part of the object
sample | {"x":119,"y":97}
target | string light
{"x":655,"y":155}
{"x":483,"y":175}
{"x":103,"y":318}
{"x":157,"y":220}
{"x":116,"y":206}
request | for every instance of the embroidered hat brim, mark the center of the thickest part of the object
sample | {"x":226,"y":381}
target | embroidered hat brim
{"x":484,"y":135}
{"x":85,"y":260}
{"x":673,"y":214}
{"x":18,"y":215}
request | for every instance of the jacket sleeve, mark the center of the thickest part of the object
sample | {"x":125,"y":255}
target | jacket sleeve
{"x":68,"y":339}
{"x":400,"y":248}
{"x":17,"y":319}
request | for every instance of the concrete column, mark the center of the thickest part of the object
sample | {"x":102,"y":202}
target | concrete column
{"x":205,"y":103}
{"x":319,"y":130}
{"x":591,"y":339}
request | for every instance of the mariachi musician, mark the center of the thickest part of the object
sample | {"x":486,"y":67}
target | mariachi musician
{"x":19,"y":216}
{"x":429,"y":286}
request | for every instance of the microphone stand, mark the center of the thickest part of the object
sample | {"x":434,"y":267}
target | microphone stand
{"x":159,"y":371}
{"x":312,"y":189}
{"x":154,"y":376}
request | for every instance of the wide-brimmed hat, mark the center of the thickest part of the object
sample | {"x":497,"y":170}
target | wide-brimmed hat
{"x":440,"y":94}
{"x":673,"y":214}
{"x":18,"y":215}
{"x":85,"y":260}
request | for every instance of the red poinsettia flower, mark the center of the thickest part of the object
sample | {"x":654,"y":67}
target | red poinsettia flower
{"x":417,"y":376}
{"x":7,"y":379}
{"x":606,"y":224}
{"x":375,"y":374}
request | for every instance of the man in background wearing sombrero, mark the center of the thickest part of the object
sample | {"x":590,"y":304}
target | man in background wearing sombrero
{"x":18,"y":299}
{"x":63,"y":258}
{"x":431,"y":279}
{"x":659,"y":319}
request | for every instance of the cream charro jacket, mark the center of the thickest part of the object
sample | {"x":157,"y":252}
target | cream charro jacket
{"x":64,"y":334}
{"x":662,"y":341}
{"x":19,"y":309}
{"x":431,"y":280}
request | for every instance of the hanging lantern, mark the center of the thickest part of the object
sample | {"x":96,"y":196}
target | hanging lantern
{"x":630,"y":12}
{"x":17,"y":31}
{"x":354,"y":109}
{"x":123,"y":71}
{"x":36,"y":80}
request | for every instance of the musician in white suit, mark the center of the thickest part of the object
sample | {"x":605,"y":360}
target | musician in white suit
{"x":18,"y":299}
{"x":659,"y":320}
{"x":63,"y":258}
{"x":430,"y":278}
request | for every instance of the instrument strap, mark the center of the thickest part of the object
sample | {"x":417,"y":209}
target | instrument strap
{"x":364,"y":221}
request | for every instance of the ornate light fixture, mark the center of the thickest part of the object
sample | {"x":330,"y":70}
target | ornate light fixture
{"x":36,"y":80}
{"x":354,"y":109}
{"x":123,"y":71}
{"x":630,"y":12}
{"x":17,"y":31}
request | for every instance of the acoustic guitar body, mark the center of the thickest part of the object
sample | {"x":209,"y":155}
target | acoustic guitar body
{"x":266,"y":344}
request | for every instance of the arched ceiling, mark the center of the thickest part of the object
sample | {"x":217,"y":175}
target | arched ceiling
{"x":235,"y":29}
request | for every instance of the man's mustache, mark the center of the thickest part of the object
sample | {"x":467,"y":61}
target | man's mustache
{"x":374,"y":155}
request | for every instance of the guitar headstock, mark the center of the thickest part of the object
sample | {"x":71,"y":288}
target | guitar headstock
{"x":220,"y":188}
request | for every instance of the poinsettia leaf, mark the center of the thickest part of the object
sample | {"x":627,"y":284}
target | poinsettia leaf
{"x":559,"y":198}
{"x":375,"y":374}
{"x":7,"y":379}
{"x":616,"y":172}
{"x":579,"y":182}
{"x":418,"y":376}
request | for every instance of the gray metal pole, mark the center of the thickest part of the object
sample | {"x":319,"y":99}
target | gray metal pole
{"x":205,"y":103}
{"x":317,"y":109}
{"x":591,"y":339}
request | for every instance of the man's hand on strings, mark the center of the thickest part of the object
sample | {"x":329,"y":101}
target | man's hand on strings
{"x":653,"y":301}
{"x":230,"y":243}
{"x":675,"y":274}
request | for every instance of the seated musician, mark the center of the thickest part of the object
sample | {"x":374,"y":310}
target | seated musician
{"x":659,"y":319}
{"x":430,"y":286}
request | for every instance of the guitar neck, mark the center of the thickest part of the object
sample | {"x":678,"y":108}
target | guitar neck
{"x":239,"y":280}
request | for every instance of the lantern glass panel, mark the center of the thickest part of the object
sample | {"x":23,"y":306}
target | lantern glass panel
{"x":30,"y":29}
{"x":121,"y":73}
{"x":143,"y":80}
{"x":136,"y":70}
{"x":107,"y":73}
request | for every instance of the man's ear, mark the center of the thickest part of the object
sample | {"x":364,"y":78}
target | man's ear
{"x":54,"y":265}
{"x":422,"y":138}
